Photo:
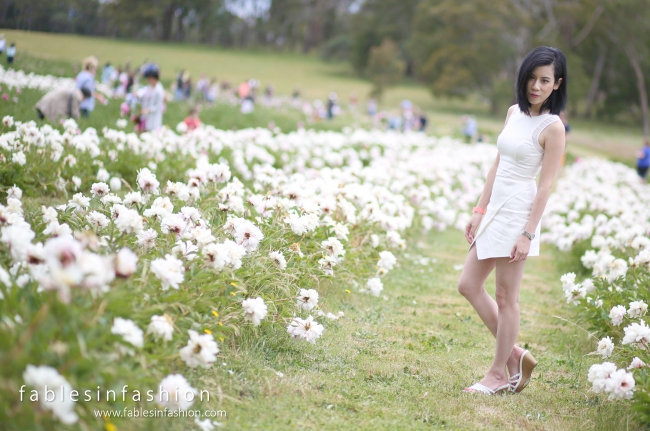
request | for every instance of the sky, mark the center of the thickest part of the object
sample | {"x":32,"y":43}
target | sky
{"x":248,"y":8}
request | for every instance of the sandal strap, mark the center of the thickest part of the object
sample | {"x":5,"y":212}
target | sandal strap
{"x":481,"y":388}
{"x":515,"y":377}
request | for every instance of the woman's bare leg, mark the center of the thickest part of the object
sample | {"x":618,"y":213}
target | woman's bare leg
{"x":472,"y":286}
{"x":508,"y":280}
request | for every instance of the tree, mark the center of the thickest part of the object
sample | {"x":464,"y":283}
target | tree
{"x":377,"y":20}
{"x":385,"y":67}
{"x":461,"y":48}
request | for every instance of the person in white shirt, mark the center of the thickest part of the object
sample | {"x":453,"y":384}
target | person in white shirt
{"x":11,"y":53}
{"x":3,"y":43}
{"x":153,"y":100}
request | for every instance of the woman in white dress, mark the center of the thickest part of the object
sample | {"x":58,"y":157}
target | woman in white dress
{"x":504,"y":229}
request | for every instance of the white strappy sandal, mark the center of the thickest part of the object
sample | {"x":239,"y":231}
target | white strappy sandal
{"x":477,"y":387}
{"x":519,"y":381}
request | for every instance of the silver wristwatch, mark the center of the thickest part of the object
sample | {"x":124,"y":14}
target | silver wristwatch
{"x":529,"y":235}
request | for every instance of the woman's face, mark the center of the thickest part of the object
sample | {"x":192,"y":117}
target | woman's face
{"x":541,"y":84}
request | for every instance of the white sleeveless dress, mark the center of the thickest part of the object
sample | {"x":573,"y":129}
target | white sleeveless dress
{"x":514,"y":187}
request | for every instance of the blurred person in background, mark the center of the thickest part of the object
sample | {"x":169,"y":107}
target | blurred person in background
{"x":470,"y":128}
{"x":643,"y":162}
{"x":153,"y":100}
{"x":107,"y":73}
{"x":193,"y":121}
{"x":86,"y":79}
{"x":61,"y":103}
{"x":11,"y":53}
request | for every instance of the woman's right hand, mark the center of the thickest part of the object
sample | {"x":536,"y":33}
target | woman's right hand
{"x":472,"y":226}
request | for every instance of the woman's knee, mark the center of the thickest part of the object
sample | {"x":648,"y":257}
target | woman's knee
{"x":467,"y":288}
{"x":507,"y":296}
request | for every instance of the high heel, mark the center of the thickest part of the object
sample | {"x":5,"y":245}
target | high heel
{"x":527,"y":364}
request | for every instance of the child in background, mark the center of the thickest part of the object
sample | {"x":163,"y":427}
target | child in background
{"x":192,"y":121}
{"x":11,"y":53}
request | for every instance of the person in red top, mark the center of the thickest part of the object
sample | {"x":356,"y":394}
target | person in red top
{"x":192,"y":121}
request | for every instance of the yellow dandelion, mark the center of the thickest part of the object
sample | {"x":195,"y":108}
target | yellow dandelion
{"x":233,"y":293}
{"x":220,"y":324}
{"x":221,"y":338}
{"x":110,"y":427}
{"x":347,"y":290}
{"x":232,"y":283}
{"x":215,"y":314}
{"x":207,"y":331}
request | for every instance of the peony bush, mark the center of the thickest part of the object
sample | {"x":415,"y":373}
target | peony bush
{"x":152,"y":255}
{"x":599,"y":212}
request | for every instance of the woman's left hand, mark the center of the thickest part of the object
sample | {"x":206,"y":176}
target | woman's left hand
{"x":520,"y":250}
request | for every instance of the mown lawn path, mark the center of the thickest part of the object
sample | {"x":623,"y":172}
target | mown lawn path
{"x":401,"y":362}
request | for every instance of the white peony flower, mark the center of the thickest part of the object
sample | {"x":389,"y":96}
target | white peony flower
{"x":307,"y":299}
{"x":115,"y":184}
{"x":126,"y":263}
{"x":386,"y":260}
{"x":99,"y":189}
{"x":638,"y":334}
{"x":278,"y":259}
{"x":599,"y":373}
{"x":19,"y":158}
{"x":170,"y":271}
{"x":605,"y":347}
{"x":374,"y":286}
{"x":103,"y":175}
{"x":254,"y":310}
{"x":637,"y":309}
{"x":161,"y":327}
{"x":616,"y":314}
{"x":620,"y":385}
{"x":147,"y":238}
{"x":44,"y":378}
{"x":175,"y":393}
{"x":636,"y":363}
{"x":97,"y":220}
{"x":201,"y":350}
{"x":129,"y":331}
{"x":305,"y":329}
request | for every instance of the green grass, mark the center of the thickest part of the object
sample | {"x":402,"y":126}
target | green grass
{"x":401,"y":363}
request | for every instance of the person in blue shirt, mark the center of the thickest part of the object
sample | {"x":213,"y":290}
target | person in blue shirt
{"x":107,"y":72}
{"x":643,"y":161}
{"x":86,"y":79}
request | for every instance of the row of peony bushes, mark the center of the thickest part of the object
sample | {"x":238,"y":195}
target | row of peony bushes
{"x":600,"y":214}
{"x":158,"y":253}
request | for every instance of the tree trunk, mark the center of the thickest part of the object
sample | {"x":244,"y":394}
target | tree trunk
{"x":643,"y":94}
{"x":180,"y":33}
{"x":167,"y":21}
{"x":595,"y":81}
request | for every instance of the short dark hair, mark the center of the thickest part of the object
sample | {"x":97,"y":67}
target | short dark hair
{"x":151,"y":74}
{"x":543,"y":56}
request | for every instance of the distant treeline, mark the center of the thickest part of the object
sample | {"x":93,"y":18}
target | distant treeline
{"x":455,"y":47}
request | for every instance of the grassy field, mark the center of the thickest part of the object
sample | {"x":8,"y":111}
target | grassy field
{"x":314,"y":77}
{"x":392,"y":363}
{"x":401,"y":362}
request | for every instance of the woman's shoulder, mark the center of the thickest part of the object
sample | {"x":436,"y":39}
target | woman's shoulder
{"x":512,"y":111}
